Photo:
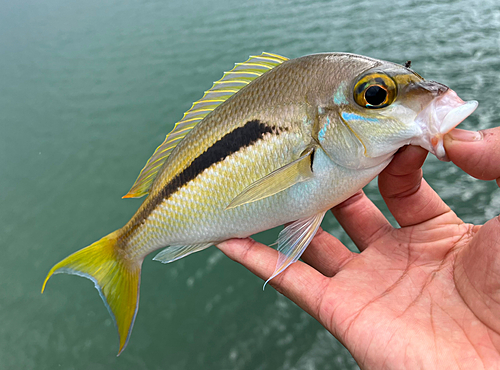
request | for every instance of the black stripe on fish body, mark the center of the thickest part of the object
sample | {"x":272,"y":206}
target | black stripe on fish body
{"x":230,"y":143}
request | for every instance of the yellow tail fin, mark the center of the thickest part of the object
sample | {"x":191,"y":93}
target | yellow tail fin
{"x":115,"y":277}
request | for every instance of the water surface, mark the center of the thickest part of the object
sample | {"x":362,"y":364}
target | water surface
{"x":89,"y":89}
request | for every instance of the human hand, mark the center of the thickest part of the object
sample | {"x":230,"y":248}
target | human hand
{"x":425,"y":295}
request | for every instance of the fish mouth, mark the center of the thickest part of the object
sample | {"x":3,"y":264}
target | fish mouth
{"x":439,"y":117}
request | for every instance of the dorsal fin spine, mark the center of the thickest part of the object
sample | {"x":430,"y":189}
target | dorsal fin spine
{"x":230,"y":83}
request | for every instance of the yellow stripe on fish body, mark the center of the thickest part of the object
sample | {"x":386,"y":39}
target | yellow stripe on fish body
{"x":274,"y":141}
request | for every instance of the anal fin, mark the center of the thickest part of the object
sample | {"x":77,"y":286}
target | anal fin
{"x":278,"y":180}
{"x":175,"y":252}
{"x":293,"y":241}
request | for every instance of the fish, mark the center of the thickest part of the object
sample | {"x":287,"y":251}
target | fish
{"x":275,"y":141}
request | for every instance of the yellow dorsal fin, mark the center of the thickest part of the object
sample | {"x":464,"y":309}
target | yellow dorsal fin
{"x":233,"y":81}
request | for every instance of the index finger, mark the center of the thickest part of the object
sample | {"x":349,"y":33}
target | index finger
{"x":407,"y":195}
{"x":300,"y":282}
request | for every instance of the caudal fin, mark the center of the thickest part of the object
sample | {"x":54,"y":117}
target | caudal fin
{"x":115,"y":277}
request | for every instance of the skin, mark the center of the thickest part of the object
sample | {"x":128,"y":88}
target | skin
{"x":422,"y":296}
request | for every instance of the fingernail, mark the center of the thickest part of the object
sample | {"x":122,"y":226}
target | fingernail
{"x":464,"y":135}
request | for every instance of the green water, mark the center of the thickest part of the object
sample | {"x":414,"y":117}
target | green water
{"x":88,"y":89}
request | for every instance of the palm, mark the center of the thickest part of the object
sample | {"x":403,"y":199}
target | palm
{"x":408,"y":289}
{"x":421,"y":296}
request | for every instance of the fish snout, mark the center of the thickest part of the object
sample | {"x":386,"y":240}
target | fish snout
{"x":436,"y":88}
{"x":439,"y":117}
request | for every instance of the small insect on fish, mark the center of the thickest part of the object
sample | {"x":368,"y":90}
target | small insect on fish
{"x":274,"y":141}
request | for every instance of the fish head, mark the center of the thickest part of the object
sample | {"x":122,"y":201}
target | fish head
{"x":373,"y":113}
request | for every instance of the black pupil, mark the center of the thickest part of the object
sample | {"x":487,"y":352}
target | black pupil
{"x":375,"y":95}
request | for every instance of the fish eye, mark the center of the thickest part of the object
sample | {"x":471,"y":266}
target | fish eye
{"x":376,"y":95}
{"x":376,"y":90}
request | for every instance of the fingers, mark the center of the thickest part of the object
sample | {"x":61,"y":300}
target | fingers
{"x":477,"y":153}
{"x":477,"y":270}
{"x":362,"y":220}
{"x":409,"y":198}
{"x":300,"y":282}
{"x":326,"y":254}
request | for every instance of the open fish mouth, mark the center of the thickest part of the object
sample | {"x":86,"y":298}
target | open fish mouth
{"x":439,"y":117}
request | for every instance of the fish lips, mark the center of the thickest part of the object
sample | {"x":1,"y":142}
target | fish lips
{"x":439,"y":117}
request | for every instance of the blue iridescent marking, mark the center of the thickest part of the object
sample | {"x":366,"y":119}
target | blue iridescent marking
{"x":322,"y":132}
{"x":356,"y":117}
{"x":339,"y":96}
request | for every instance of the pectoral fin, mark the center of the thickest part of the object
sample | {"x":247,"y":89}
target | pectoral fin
{"x":293,"y":241}
{"x":278,"y":180}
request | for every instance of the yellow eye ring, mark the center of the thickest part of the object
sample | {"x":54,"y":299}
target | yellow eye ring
{"x":375,"y":90}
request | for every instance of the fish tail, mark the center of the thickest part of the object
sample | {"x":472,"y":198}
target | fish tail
{"x":115,"y":276}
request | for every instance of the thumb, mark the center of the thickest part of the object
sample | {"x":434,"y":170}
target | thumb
{"x":477,"y":153}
